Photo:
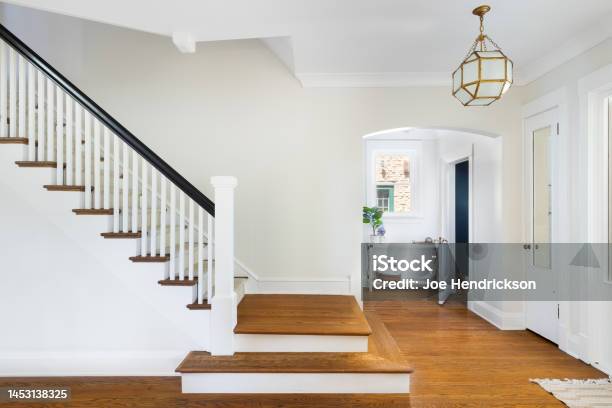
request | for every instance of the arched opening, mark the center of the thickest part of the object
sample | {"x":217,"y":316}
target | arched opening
{"x":422,"y":178}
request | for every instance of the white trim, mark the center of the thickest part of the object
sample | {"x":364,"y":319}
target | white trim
{"x":291,"y":285}
{"x":275,"y":343}
{"x":296,"y":383}
{"x":498,"y":318}
{"x":90,"y":363}
{"x":592,"y":91}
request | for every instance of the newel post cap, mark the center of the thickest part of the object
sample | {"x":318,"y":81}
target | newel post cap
{"x":224,"y":181}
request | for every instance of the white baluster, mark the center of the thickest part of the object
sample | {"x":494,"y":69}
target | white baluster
{"x":134,"y":191}
{"x":210,"y":256}
{"x":50,"y":101}
{"x":181,"y":246}
{"x":31,"y":133}
{"x":144,"y":208}
{"x":87,"y":124}
{"x":162,"y":217}
{"x":59,"y":136}
{"x":125,"y":226}
{"x":201,"y":283}
{"x":116,"y":184}
{"x":69,"y":142}
{"x":191,"y":220}
{"x":97,"y":187}
{"x":21,"y":99}
{"x":106,"y":169}
{"x":3,"y":90}
{"x":12,"y":93}
{"x":153,"y":242}
{"x":78,"y":143}
{"x":172,"y":231}
{"x":40,"y":112}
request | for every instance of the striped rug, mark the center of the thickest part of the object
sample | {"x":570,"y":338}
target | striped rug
{"x":580,"y":393}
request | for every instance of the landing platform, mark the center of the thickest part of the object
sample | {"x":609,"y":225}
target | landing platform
{"x":323,"y":315}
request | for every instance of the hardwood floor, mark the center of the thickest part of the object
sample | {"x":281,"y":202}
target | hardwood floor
{"x":301,"y":314}
{"x":459,"y":361}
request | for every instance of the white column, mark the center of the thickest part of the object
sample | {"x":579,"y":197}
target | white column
{"x":223,"y":316}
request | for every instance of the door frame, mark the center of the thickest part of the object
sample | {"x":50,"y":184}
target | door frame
{"x":593,"y":90}
{"x":560,"y":226}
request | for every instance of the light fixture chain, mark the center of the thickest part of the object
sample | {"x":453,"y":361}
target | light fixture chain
{"x":493,"y":42}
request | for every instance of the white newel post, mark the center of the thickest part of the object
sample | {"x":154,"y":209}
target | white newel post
{"x":223,"y":316}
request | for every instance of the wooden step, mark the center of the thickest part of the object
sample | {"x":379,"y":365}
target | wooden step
{"x":204,"y":362}
{"x":179,"y":282}
{"x":150,"y":258}
{"x":121,"y":235}
{"x":326,"y":315}
{"x":56,"y":187}
{"x":199,"y":306}
{"x":93,"y":211}
{"x":379,"y":370}
{"x":48,"y":164}
{"x":14,"y":140}
{"x":383,"y":356}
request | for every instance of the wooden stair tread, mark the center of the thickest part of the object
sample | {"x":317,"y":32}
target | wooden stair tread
{"x":14,"y":140}
{"x":59,"y":187}
{"x":199,"y":306}
{"x":178,"y":282}
{"x":93,"y":211}
{"x":381,"y":342}
{"x":150,"y":258}
{"x":366,"y":363}
{"x":121,"y":235}
{"x":49,"y":164}
{"x":301,"y":315}
{"x":383,"y":357}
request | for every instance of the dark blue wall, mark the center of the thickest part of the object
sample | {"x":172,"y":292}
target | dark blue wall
{"x":462,"y":199}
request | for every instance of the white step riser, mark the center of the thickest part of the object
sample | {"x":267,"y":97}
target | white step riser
{"x":300,"y":383}
{"x":279,"y":343}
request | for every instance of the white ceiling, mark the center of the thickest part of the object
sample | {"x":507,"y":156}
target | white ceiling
{"x":376,"y":42}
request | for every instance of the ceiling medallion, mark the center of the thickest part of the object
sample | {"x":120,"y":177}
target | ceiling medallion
{"x":486,"y":73}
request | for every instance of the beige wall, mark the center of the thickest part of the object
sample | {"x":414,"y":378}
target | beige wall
{"x":234,"y":109}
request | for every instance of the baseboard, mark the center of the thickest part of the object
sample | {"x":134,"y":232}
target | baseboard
{"x":90,"y":363}
{"x":296,"y":383}
{"x":498,"y":318}
{"x":321,"y":286}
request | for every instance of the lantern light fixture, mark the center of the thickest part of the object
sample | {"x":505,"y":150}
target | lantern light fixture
{"x":486,"y":72}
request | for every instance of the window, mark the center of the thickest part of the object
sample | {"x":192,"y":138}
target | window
{"x":384,"y":198}
{"x":393,"y":182}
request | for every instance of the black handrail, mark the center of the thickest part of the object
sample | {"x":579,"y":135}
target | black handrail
{"x":116,"y":127}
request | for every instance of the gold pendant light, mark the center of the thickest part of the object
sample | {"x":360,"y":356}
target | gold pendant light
{"x":486,"y":73}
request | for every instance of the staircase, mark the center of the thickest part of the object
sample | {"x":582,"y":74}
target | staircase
{"x":120,"y":191}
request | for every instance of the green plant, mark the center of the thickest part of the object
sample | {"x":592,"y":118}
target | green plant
{"x":372,"y":216}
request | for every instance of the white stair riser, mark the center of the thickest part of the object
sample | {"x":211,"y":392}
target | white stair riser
{"x":296,"y":383}
{"x":299,"y":343}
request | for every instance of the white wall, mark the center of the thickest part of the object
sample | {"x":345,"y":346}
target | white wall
{"x":71,"y":302}
{"x":232,"y":108}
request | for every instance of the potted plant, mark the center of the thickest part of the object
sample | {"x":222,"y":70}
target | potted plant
{"x":373,"y":216}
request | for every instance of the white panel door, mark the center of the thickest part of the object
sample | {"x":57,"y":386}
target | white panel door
{"x":541,"y":310}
